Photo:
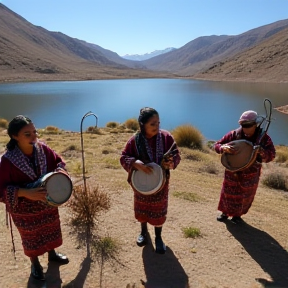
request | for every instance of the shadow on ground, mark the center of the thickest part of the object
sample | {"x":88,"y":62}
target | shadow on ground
{"x":162,"y":271}
{"x":265,"y":250}
{"x":53,"y":279}
{"x":52,"y":276}
{"x":79,"y":280}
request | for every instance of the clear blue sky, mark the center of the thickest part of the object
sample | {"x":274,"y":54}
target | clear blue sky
{"x":139,"y":27}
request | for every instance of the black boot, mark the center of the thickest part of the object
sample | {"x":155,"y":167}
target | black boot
{"x":160,"y":247}
{"x":142,"y":238}
{"x":57,"y":257}
{"x":36,"y":269}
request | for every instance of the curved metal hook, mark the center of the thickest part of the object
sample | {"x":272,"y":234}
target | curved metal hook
{"x":266,"y":119}
{"x":82,"y":145}
{"x":268,"y":113}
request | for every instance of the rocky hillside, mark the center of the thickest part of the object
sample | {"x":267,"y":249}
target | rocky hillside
{"x":267,"y":61}
{"x":32,"y":53}
{"x":204,"y":52}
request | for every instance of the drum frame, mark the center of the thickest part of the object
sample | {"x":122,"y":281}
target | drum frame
{"x":154,"y":190}
{"x":228,"y":159}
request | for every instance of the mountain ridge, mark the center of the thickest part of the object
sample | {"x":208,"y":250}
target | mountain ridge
{"x":146,"y":56}
{"x":32,"y":53}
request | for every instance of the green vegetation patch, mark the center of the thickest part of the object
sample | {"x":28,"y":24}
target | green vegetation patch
{"x":191,"y":232}
{"x":190,"y":196}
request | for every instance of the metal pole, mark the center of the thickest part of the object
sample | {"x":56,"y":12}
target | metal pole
{"x":82,"y":146}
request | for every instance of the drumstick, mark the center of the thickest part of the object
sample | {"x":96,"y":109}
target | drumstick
{"x":170,"y":152}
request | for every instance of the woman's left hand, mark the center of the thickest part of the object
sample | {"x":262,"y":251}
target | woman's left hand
{"x":168,"y":163}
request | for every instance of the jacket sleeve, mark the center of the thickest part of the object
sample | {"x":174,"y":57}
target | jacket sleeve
{"x":128,"y":155}
{"x":230,"y":136}
{"x":267,"y":150}
{"x":8,"y":191}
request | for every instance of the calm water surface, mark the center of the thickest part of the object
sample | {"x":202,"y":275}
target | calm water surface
{"x":212,"y":107}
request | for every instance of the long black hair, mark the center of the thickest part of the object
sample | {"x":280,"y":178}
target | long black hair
{"x":14,"y":127}
{"x":145,"y":114}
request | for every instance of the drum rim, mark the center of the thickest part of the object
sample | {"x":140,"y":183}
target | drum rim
{"x":49,"y":197}
{"x":155,"y":189}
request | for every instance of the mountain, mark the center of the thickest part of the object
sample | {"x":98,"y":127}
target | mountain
{"x":267,"y":61}
{"x":201,"y":53}
{"x":31,"y":52}
{"x":137,"y":57}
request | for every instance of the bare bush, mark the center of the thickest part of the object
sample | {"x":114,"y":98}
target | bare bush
{"x":275,"y":180}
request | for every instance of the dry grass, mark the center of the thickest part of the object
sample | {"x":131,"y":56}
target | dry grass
{"x":194,"y":192}
{"x":188,"y":136}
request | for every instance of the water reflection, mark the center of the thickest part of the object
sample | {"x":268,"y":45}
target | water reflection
{"x":212,"y":107}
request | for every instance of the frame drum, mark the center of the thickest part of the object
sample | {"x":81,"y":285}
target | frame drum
{"x":245,"y":156}
{"x":148,"y":184}
{"x":58,"y":186}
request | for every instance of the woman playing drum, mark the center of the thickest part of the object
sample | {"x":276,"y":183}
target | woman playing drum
{"x":239,"y":188}
{"x":146,"y":146}
{"x":38,"y":223}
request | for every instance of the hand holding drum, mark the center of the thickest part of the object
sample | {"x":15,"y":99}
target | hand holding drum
{"x":167,"y":162}
{"x":34,"y":194}
{"x":230,"y":148}
{"x":139,"y":165}
{"x":55,"y":186}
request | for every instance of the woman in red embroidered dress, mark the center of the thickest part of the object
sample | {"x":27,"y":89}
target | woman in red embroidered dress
{"x":239,"y":188}
{"x":25,"y":160}
{"x":149,"y":145}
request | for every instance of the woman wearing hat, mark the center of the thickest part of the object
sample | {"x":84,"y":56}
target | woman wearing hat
{"x":146,"y":146}
{"x":239,"y":188}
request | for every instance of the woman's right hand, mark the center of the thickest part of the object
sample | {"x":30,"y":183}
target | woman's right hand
{"x":229,"y":149}
{"x":34,"y":194}
{"x":139,"y":165}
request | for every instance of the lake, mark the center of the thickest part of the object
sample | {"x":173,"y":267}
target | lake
{"x":212,"y":107}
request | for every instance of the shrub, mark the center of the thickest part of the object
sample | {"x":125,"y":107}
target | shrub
{"x":191,"y":232}
{"x":132,"y":124}
{"x":112,"y":124}
{"x":3,"y":123}
{"x":193,"y":155}
{"x":72,"y":147}
{"x":52,"y":130}
{"x":94,"y":130}
{"x":275,"y":180}
{"x":86,"y":206}
{"x":104,"y":249}
{"x":188,"y":136}
{"x":210,"y":144}
{"x":282,"y":155}
{"x":209,"y":168}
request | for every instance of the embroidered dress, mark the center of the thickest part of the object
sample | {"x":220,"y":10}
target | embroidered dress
{"x":37,"y":222}
{"x":149,"y":208}
{"x":239,"y":188}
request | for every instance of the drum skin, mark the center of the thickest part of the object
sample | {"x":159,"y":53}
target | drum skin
{"x":58,"y":186}
{"x":148,"y":184}
{"x":245,"y":156}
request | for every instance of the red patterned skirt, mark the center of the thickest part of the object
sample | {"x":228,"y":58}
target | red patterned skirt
{"x":38,"y":225}
{"x":238,"y":190}
{"x":152,"y":208}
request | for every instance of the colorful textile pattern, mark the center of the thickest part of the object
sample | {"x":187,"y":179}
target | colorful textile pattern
{"x":239,"y":188}
{"x":149,"y":208}
{"x":37,"y":222}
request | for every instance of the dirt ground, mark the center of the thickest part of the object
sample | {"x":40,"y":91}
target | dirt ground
{"x":253,"y":254}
